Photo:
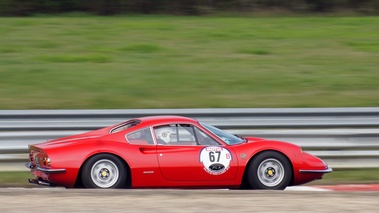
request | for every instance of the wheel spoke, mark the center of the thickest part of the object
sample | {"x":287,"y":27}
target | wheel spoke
{"x":104,"y":173}
{"x":270,"y":172}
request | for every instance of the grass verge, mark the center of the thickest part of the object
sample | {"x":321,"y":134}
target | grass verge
{"x":188,"y":62}
{"x":350,"y":176}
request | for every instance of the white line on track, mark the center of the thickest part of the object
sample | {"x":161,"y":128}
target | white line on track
{"x":305,"y":188}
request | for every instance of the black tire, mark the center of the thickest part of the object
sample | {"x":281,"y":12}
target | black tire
{"x":269,"y":170}
{"x":104,"y":171}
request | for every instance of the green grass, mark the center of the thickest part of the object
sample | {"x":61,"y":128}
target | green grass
{"x":10,"y":179}
{"x":343,"y":176}
{"x":188,"y":62}
{"x":352,"y":176}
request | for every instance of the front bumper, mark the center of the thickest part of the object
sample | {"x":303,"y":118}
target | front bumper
{"x":44,"y":170}
{"x":327,"y":170}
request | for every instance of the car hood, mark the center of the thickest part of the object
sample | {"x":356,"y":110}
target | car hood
{"x":271,"y":141}
{"x":254,"y":139}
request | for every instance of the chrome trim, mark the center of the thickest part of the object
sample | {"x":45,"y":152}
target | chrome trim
{"x":327,"y":170}
{"x":136,"y":121}
{"x":30,"y":166}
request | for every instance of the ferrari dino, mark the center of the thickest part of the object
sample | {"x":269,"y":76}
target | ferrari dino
{"x":170,"y":152}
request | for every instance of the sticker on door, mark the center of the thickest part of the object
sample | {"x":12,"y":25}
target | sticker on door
{"x":216,"y":160}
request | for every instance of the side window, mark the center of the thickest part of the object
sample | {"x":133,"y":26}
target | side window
{"x":124,"y":126}
{"x":182,"y":134}
{"x":140,"y":137}
{"x":166,"y":134}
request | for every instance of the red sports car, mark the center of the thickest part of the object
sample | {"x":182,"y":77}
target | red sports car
{"x":170,"y":152}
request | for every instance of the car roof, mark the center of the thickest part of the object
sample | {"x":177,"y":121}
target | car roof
{"x":159,"y":119}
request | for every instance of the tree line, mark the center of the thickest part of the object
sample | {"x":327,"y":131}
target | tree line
{"x":181,"y":7}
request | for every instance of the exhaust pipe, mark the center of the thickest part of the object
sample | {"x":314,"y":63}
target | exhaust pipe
{"x":40,"y":182}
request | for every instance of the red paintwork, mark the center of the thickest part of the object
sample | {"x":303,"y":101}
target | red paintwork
{"x":180,"y":166}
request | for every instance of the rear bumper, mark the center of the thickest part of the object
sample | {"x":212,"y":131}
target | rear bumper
{"x":44,"y":170}
{"x":327,"y":170}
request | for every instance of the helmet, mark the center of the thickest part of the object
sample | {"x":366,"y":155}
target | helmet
{"x":164,"y":133}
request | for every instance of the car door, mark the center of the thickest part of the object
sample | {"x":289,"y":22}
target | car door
{"x":186,"y":153}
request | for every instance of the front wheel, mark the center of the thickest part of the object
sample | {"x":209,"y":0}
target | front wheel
{"x":269,"y":170}
{"x":104,"y":171}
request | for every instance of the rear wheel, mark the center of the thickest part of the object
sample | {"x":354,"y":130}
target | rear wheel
{"x":104,"y":171}
{"x":269,"y":170}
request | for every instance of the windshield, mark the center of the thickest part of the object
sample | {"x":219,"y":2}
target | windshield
{"x":225,"y":136}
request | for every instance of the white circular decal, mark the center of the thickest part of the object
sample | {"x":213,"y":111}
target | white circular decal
{"x":216,"y":160}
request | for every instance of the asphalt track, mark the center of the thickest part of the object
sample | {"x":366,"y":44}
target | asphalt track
{"x":95,"y":200}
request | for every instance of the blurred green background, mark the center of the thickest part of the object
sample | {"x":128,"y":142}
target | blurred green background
{"x":60,"y":54}
{"x":158,"y":61}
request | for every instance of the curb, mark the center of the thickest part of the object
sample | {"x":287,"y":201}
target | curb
{"x":340,"y":188}
{"x":351,"y":187}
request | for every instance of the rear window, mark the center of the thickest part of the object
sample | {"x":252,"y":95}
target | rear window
{"x":124,"y":126}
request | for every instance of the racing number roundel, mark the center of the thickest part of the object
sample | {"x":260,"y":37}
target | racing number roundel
{"x":216,"y":160}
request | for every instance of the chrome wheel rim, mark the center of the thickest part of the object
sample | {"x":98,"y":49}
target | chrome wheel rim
{"x":104,"y":173}
{"x":270,"y":172}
